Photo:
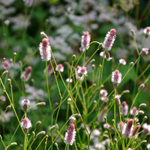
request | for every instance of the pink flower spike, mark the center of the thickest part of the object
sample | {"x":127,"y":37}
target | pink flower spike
{"x":124,"y":108}
{"x":85,"y":41}
{"x":45,"y":50}
{"x":146,"y":129}
{"x":144,"y":51}
{"x":28,"y":3}
{"x":26,"y":124}
{"x":128,"y":128}
{"x":102,"y":54}
{"x":6,"y":64}
{"x":49,"y":68}
{"x":72,"y":119}
{"x":148,"y":146}
{"x":147,"y":31}
{"x":25,"y":104}
{"x":109,"y":40}
{"x":104,"y":98}
{"x":103,"y":92}
{"x":70,"y":10}
{"x":106,"y":126}
{"x":60,"y":68}
{"x":120,"y":126}
{"x":134,"y":111}
{"x":116,"y":77}
{"x":80,"y":72}
{"x":69,"y":80}
{"x":103,"y":114}
{"x":70,"y":134}
{"x":2,"y":98}
{"x":122,"y":62}
{"x":117,"y":97}
{"x":135,"y":131}
{"x":26,"y":74}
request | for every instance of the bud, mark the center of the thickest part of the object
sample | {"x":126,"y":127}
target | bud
{"x":85,"y":41}
{"x":134,"y":111}
{"x":146,"y":31}
{"x":93,"y":66}
{"x":2,"y":98}
{"x":124,"y":108}
{"x":69,"y":99}
{"x":25,"y":104}
{"x":125,"y":91}
{"x":73,"y":56}
{"x":148,"y":146}
{"x":15,"y":53}
{"x":28,"y":3}
{"x":145,"y":118}
{"x":142,"y":105}
{"x":72,"y":119}
{"x":41,"y":103}
{"x":141,"y":112}
{"x":38,"y":123}
{"x":9,"y":80}
{"x":92,"y":60}
{"x":144,"y":141}
{"x":77,"y":115}
{"x":41,"y":133}
{"x":142,"y":86}
{"x":54,"y":127}
{"x":132,"y":31}
{"x":33,"y":133}
{"x":44,"y":35}
{"x":20,"y":63}
{"x":131,"y":64}
{"x":13,"y":143}
{"x":6,"y":71}
{"x":144,"y":51}
{"x":8,"y":107}
{"x":103,"y":114}
{"x":60,"y":68}
{"x":26,"y":74}
{"x":122,"y":62}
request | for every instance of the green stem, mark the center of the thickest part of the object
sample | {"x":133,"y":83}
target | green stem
{"x":49,"y":103}
{"x":25,"y":142}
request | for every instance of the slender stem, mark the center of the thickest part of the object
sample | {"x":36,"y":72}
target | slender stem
{"x":25,"y":142}
{"x":49,"y":103}
{"x":11,"y":103}
{"x":137,"y":67}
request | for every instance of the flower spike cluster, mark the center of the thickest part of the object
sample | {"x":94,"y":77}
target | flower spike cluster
{"x":60,"y":68}
{"x":116,"y":77}
{"x":26,"y":74}
{"x":71,"y":133}
{"x":80,"y":72}
{"x":103,"y":94}
{"x":109,"y":40}
{"x":147,"y":31}
{"x":26,"y":124}
{"x":28,"y":3}
{"x":85,"y":41}
{"x":45,"y":50}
